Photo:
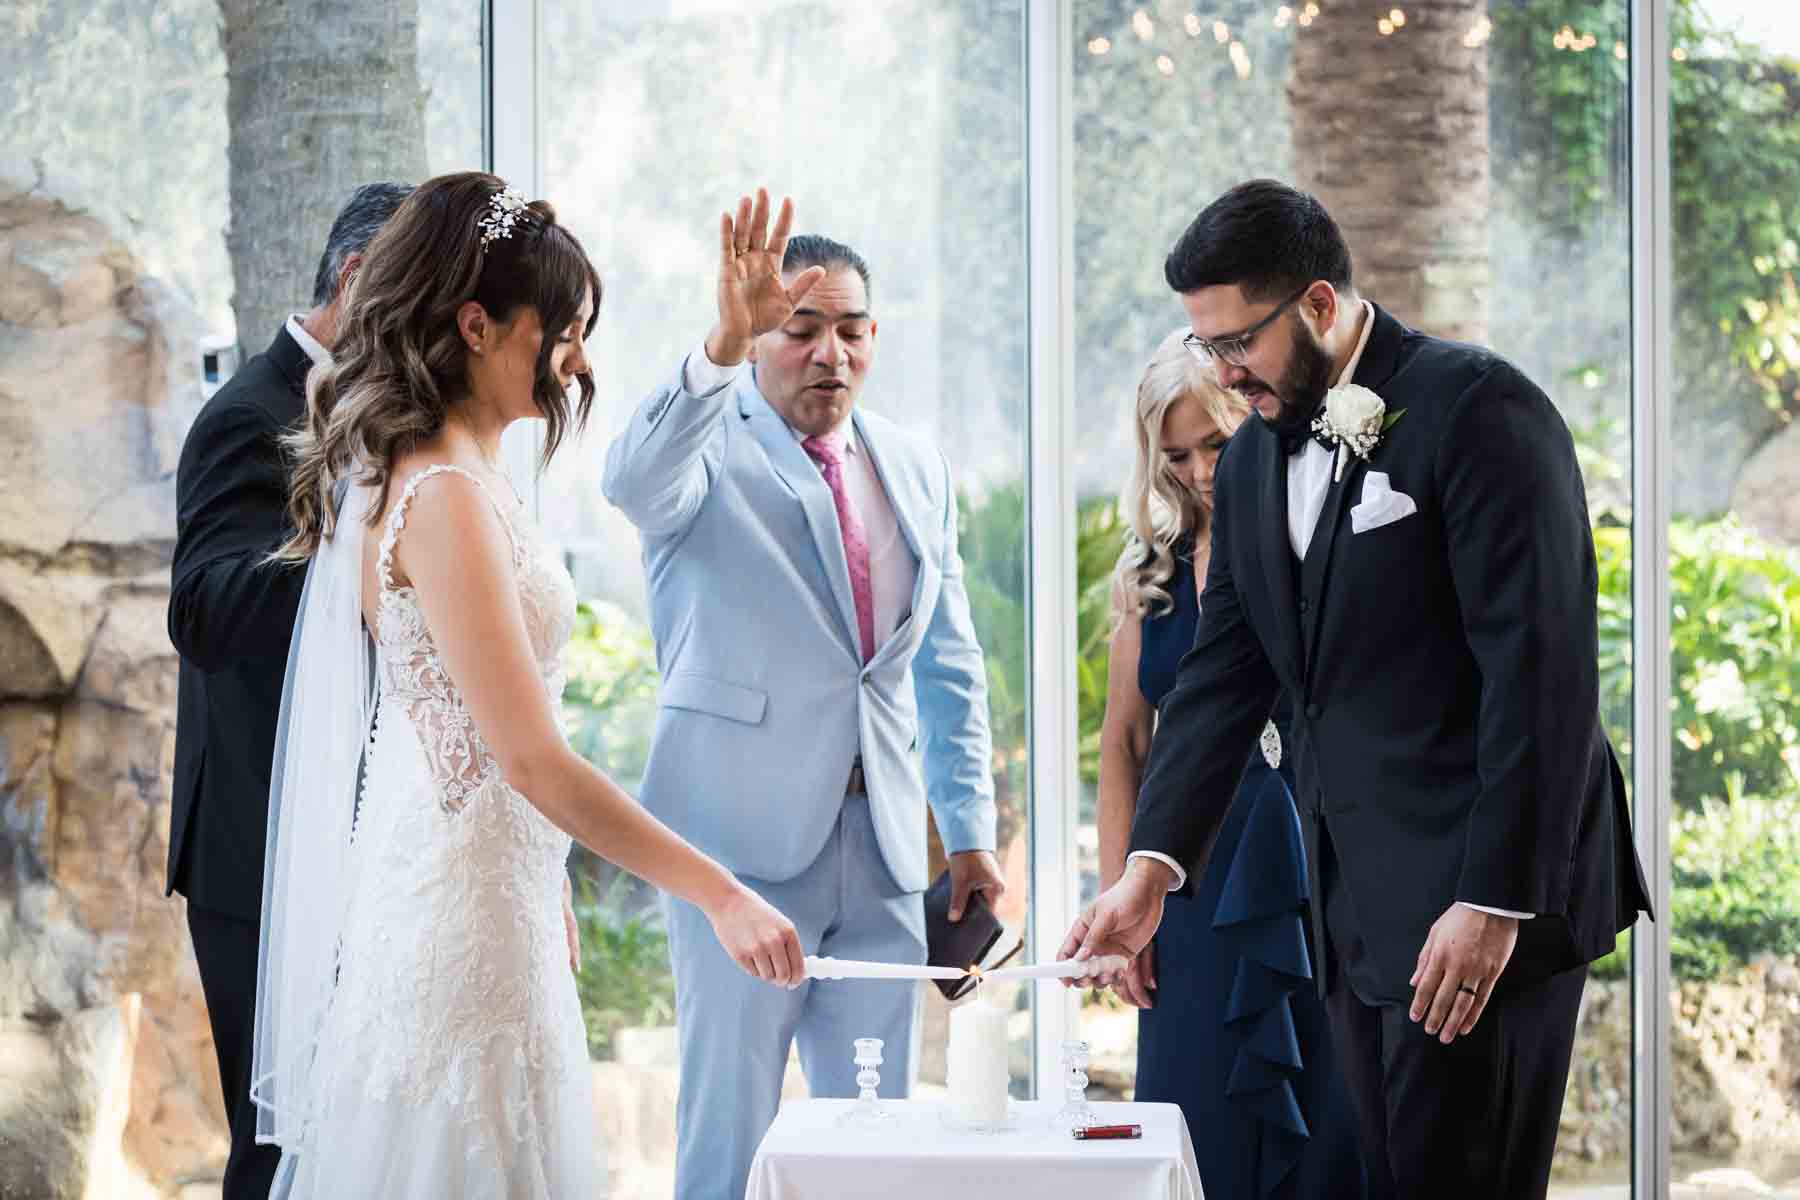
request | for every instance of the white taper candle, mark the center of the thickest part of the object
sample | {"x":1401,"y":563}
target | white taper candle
{"x":849,"y":968}
{"x":1067,"y":969}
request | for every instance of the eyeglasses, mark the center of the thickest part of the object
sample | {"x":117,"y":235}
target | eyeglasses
{"x":1235,"y":350}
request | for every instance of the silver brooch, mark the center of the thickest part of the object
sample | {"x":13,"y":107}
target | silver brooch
{"x":506,"y":208}
{"x":1271,"y":745}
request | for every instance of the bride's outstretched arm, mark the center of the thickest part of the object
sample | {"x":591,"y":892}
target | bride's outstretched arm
{"x":458,"y":557}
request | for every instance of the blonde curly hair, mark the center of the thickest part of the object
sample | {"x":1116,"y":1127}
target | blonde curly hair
{"x":1157,"y":506}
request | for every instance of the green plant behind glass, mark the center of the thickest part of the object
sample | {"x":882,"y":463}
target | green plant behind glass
{"x":625,"y":980}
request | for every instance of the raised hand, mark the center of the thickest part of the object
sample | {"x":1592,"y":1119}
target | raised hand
{"x":1461,"y":961}
{"x":752,"y":297}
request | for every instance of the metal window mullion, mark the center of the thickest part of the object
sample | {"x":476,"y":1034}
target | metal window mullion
{"x":1050,"y":492}
{"x":1652,"y":300}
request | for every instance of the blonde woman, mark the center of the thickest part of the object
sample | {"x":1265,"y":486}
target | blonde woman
{"x":1257,"y":1084}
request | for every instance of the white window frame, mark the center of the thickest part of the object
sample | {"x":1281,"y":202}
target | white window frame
{"x":512,"y":39}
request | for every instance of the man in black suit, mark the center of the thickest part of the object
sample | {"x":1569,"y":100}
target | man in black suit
{"x":1423,"y":583}
{"x":231,"y":614}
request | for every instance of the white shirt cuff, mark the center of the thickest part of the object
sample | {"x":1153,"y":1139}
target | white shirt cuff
{"x":1180,"y":874}
{"x":701,"y":376}
{"x":1498,"y":912}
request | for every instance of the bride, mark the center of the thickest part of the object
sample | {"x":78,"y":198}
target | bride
{"x":418,"y":1032}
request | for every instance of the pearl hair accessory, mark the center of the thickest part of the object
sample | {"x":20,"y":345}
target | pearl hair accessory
{"x":506,"y":208}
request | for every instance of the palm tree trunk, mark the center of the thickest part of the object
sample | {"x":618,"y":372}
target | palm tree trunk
{"x":1390,"y":131}
{"x":323,"y":95}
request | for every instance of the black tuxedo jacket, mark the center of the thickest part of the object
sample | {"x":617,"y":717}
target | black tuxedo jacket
{"x":1444,"y":669}
{"x":231,"y":616}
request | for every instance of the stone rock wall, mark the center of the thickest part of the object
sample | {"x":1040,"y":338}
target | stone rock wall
{"x":1735,"y":1050}
{"x":107,"y":1081}
{"x":1765,"y":495}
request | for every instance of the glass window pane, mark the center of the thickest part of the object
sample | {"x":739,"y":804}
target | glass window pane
{"x":1734,"y":566}
{"x":1476,"y":160}
{"x":129,"y":254}
{"x":898,"y":129}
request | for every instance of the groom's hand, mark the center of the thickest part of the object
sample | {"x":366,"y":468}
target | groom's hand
{"x":752,"y":297}
{"x":974,"y":871}
{"x":1122,"y":920}
{"x":1462,"y":959}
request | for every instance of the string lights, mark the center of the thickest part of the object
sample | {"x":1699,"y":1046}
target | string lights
{"x":1479,"y":33}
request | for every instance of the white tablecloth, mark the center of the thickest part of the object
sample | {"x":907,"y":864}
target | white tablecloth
{"x":808,"y":1155}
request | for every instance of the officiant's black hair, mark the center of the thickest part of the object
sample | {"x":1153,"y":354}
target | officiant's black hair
{"x":1266,"y":237}
{"x":811,"y":250}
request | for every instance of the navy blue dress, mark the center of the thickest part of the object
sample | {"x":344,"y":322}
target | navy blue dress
{"x":1238,"y":1036}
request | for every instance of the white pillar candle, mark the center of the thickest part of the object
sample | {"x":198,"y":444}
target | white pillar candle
{"x":977,"y":1062}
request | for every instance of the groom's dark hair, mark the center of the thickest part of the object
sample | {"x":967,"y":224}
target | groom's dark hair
{"x":811,"y":250}
{"x":1266,"y":237}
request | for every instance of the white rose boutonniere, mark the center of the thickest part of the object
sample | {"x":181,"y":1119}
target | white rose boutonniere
{"x":1354,"y":420}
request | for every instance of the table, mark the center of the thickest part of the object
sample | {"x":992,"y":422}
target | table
{"x":808,"y":1155}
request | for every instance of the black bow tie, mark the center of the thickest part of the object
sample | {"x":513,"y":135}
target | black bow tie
{"x":1293,"y":434}
{"x":1293,"y":443}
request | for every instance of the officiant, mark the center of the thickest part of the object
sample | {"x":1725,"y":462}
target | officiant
{"x":821,"y":680}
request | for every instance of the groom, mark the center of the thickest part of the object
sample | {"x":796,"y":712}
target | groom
{"x":814,"y":637}
{"x":1429,"y":600}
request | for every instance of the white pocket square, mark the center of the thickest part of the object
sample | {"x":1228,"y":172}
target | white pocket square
{"x":1381,"y":504}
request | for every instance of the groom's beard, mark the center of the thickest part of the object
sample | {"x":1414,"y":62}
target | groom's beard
{"x":1302,"y":388}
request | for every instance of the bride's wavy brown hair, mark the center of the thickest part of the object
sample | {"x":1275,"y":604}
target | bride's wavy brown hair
{"x":400,"y":362}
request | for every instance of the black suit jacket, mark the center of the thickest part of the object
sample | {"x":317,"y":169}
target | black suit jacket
{"x":1444,"y":669}
{"x":231,"y":615}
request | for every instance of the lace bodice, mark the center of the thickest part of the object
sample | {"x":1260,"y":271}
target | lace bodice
{"x":412,"y":670}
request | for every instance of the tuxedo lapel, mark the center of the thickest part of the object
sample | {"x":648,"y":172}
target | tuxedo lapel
{"x":1276,"y":550}
{"x":1315,"y":569}
{"x":1373,"y":370}
{"x":803,"y":478}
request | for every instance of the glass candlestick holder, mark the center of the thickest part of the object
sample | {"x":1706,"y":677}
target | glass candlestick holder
{"x":1076,"y":1112}
{"x":868,"y":1109}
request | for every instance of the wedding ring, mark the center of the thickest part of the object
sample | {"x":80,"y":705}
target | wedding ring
{"x":1463,"y":987}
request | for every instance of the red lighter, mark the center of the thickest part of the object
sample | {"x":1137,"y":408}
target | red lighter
{"x":1102,"y":1132}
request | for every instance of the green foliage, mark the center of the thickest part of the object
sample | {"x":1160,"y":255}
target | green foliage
{"x":1735,"y":644}
{"x":624,"y":980}
{"x":1734,"y":160}
{"x":1736,"y":892}
{"x":609,"y":702}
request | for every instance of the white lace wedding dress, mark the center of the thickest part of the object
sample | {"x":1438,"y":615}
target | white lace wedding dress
{"x":453,"y":1058}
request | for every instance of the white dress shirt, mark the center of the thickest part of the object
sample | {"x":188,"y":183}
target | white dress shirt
{"x":321,"y":357}
{"x":893,"y":571}
{"x":1308,"y":480}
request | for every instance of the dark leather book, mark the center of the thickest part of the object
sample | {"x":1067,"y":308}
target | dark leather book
{"x":979,"y":939}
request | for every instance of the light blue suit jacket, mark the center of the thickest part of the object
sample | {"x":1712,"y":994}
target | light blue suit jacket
{"x":765,"y":702}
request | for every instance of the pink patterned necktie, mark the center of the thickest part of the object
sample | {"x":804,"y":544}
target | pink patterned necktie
{"x":856,"y":538}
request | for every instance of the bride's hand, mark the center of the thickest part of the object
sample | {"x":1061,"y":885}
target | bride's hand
{"x":758,"y":938}
{"x":571,"y":928}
